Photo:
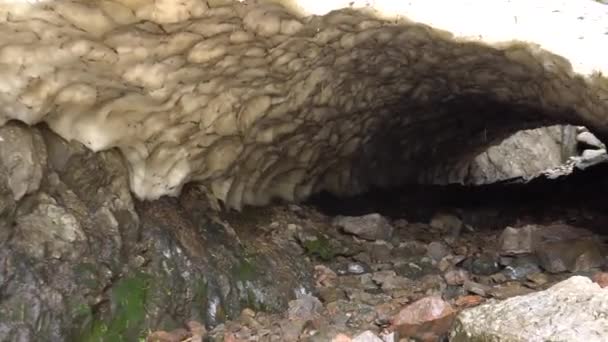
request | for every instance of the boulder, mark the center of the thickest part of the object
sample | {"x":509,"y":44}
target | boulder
{"x":589,"y":139}
{"x":575,"y":309}
{"x":369,"y":227}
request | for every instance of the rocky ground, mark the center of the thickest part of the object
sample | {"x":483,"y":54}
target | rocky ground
{"x":387,"y":278}
{"x":82,"y":260}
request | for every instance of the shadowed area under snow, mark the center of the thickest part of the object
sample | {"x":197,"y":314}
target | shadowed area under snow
{"x":257,"y":100}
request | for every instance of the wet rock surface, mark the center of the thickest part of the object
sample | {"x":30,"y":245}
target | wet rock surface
{"x":81,"y":260}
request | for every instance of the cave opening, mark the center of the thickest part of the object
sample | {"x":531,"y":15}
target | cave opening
{"x":257,"y":171}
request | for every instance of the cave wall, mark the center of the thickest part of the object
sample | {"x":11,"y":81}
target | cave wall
{"x":255,"y":100}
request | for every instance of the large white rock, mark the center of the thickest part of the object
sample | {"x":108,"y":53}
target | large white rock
{"x":575,"y":309}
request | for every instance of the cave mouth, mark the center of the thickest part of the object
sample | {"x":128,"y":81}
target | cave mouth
{"x":574,"y":199}
{"x":244,"y":102}
{"x":560,"y":192}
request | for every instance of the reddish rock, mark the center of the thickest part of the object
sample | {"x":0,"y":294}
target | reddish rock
{"x":177,"y":335}
{"x":197,"y":330}
{"x":341,"y":338}
{"x":427,"y":318}
{"x":468,"y":301}
{"x":601,"y":278}
{"x":230,"y":337}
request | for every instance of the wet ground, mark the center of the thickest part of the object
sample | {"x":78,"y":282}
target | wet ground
{"x":381,"y":261}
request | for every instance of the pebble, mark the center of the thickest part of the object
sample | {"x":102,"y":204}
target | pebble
{"x":485,"y":265}
{"x":538,"y":278}
{"x":306,"y":307}
{"x":521,"y":267}
{"x":325,"y":276}
{"x":355,"y":268}
{"x":380,"y":251}
{"x":409,"y":249}
{"x":437,"y":250}
{"x":476,"y":288}
{"x":456,"y":277}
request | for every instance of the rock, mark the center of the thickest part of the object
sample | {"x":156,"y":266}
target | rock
{"x":432,"y":284}
{"x":341,"y":338}
{"x":355,"y":268}
{"x":409,"y":249}
{"x":468,"y":301}
{"x":589,"y":139}
{"x":388,"y":336}
{"x":380,"y":251}
{"x":590,"y":158}
{"x":446,"y":222}
{"x":538,"y":278}
{"x":306,"y":307}
{"x":389,"y":280}
{"x":456,"y":277}
{"x":331,"y":294}
{"x":324,"y":276}
{"x":369,"y":227}
{"x":508,"y":290}
{"x":291,"y":329}
{"x":437,"y":250}
{"x":197,"y":330}
{"x":574,"y":256}
{"x":476,"y":288}
{"x":425,"y":318}
{"x":23,"y":158}
{"x":517,"y":240}
{"x":485,"y":264}
{"x":367,"y":336}
{"x":49,"y":231}
{"x":521,"y":267}
{"x":573,"y":310}
{"x":177,"y":335}
{"x":453,"y":291}
{"x":360,"y":282}
{"x":415,"y":268}
{"x":444,"y":264}
{"x":601,"y":278}
{"x":525,"y":155}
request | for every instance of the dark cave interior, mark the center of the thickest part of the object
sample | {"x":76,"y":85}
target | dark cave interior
{"x":578,"y":198}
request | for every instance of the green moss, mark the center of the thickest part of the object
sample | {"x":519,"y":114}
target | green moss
{"x":125,"y":322}
{"x":319,"y":247}
{"x":200,"y":298}
{"x":244,"y":270}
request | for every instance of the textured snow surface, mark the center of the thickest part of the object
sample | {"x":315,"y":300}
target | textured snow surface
{"x":280,"y":99}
